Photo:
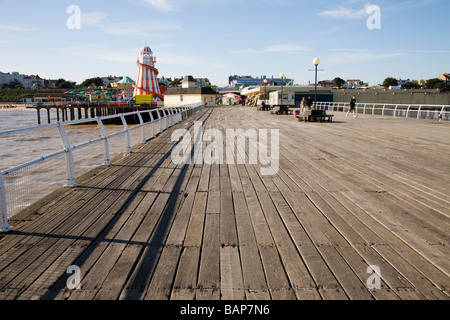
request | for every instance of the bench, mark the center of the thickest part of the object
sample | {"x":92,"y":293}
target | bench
{"x":281,"y":109}
{"x":315,"y":116}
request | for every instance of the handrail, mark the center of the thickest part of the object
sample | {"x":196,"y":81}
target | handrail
{"x":419,"y":111}
{"x":164,"y":114}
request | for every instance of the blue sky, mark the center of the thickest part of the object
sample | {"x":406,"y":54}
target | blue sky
{"x":219,"y":38}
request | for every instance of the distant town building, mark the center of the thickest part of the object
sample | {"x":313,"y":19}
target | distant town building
{"x":6,"y":78}
{"x":444,"y":77}
{"x":188,"y":82}
{"x":325,"y":83}
{"x":355,"y":84}
{"x":419,"y":82}
{"x":401,"y":82}
{"x":110,"y":79}
{"x":203,"y":82}
{"x":50,"y":97}
{"x":246,"y":81}
{"x":189,"y":93}
{"x":33,"y":82}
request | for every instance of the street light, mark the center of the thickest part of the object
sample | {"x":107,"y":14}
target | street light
{"x":316,"y":62}
{"x":282,"y":81}
{"x":265,"y":89}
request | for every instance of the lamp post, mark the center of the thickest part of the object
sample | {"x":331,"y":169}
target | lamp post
{"x":265,"y":89}
{"x":316,"y":62}
{"x":282,"y":81}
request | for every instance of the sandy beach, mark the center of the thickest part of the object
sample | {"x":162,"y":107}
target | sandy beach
{"x":13,"y":105}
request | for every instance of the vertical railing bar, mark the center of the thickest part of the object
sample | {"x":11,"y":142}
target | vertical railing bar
{"x":106,"y":156}
{"x":141,"y":121}
{"x":153,"y":123}
{"x":4,"y":227}
{"x":127,"y":131}
{"x":70,"y":167}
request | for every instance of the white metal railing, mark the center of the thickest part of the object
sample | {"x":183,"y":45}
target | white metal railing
{"x":18,"y":182}
{"x":417,"y":111}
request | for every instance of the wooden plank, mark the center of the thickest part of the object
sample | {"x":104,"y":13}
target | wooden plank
{"x":294,"y":265}
{"x":402,"y":248}
{"x":209,"y":273}
{"x":162,"y":280}
{"x":250,"y":259}
{"x":228,"y":232}
{"x":426,"y":250}
{"x":422,"y":284}
{"x":194,"y":233}
{"x":186,"y":277}
{"x":231,"y":279}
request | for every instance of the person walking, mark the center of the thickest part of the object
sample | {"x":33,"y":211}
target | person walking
{"x":304,"y":105}
{"x":309,"y":103}
{"x":352,"y":107}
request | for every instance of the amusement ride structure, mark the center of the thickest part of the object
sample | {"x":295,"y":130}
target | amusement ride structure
{"x":147,"y":76}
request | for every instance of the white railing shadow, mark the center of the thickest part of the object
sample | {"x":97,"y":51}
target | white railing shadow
{"x":25,"y":177}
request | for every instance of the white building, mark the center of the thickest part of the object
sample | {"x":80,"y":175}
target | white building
{"x":189,"y":93}
{"x":33,"y":82}
{"x":8,"y":77}
{"x":110,"y":79}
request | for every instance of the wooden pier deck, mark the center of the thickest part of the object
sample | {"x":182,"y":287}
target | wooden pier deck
{"x":347,"y":195}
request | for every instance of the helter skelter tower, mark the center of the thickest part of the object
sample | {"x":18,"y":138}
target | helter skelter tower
{"x":147,"y":77}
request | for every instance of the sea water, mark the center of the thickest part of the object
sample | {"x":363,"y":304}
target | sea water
{"x":26,"y":187}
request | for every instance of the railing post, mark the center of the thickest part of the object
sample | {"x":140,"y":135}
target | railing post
{"x":70,"y":167}
{"x":395,"y":110}
{"x":153,"y":124}
{"x":125,"y":127}
{"x":441,"y":114}
{"x":170,"y":116}
{"x":373,"y":109}
{"x":4,"y":226}
{"x":179,"y":113}
{"x":160,"y":120}
{"x":407,"y":111}
{"x":141,"y":121}
{"x":166,"y":118}
{"x":382,"y":111}
{"x":418,"y":112}
{"x":107,"y":157}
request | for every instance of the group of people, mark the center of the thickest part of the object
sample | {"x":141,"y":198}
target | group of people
{"x":307,"y":105}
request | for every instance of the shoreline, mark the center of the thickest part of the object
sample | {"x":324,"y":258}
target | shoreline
{"x":13,"y":106}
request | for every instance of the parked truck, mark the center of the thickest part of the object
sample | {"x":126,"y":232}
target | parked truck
{"x":141,"y":99}
{"x":275,"y":99}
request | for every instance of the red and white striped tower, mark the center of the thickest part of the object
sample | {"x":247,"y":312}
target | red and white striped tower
{"x":147,"y":77}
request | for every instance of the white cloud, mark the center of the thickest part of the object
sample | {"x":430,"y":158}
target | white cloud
{"x":127,"y":28}
{"x":287,"y":48}
{"x":357,"y":55}
{"x":160,"y":5}
{"x":14,"y":28}
{"x":281,"y":48}
{"x":139,"y":29}
{"x":344,"y":13}
{"x":93,"y":19}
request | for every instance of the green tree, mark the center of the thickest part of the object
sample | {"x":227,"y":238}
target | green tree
{"x":64,"y":84}
{"x":14,"y":84}
{"x":176,"y":82}
{"x":97,"y":81}
{"x":411,"y":85}
{"x":338,"y":82}
{"x":390,"y":82}
{"x":436,"y":84}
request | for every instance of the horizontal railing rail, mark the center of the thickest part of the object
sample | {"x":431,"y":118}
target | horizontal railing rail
{"x":22,"y":181}
{"x":417,"y":111}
